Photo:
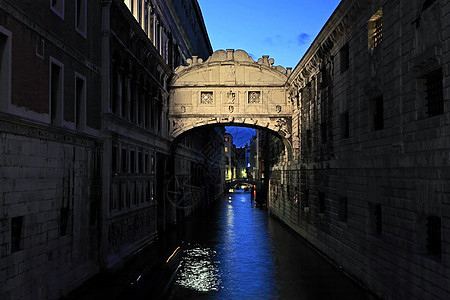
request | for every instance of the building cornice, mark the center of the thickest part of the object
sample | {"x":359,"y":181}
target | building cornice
{"x":329,"y":35}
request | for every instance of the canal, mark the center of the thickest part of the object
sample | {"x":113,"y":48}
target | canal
{"x":235,"y":251}
{"x":242,"y":252}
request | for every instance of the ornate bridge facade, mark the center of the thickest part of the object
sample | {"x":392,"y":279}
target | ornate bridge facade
{"x":230,"y":88}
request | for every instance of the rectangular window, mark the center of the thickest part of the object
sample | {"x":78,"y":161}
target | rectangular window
{"x":226,"y":149}
{"x":63,"y":220}
{"x":56,"y":91}
{"x":80,"y":102}
{"x":326,"y":77}
{"x":159,"y":117}
{"x":375,"y":218}
{"x":254,"y":97}
{"x":206,"y":98}
{"x":139,"y":12}
{"x":124,"y":161}
{"x":114,"y":159}
{"x":133,"y":101}
{"x":434,"y":244}
{"x":140,"y":163}
{"x":147,"y":111}
{"x":308,"y":139}
{"x":126,"y":93}
{"x":375,"y":26}
{"x":345,"y":129}
{"x":93,"y":212}
{"x":344,"y":53}
{"x":132,"y":161}
{"x":40,"y":47}
{"x":378,"y":113}
{"x":152,"y":164}
{"x":16,"y":233}
{"x":427,"y":3}
{"x":146,"y":162}
{"x":343,"y":209}
{"x":5,"y":69}
{"x":321,"y":202}
{"x":434,"y":93}
{"x":57,"y":6}
{"x":152,"y":28}
{"x":80,"y":16}
{"x":146,"y":22}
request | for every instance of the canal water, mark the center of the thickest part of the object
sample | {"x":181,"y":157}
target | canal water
{"x":234,"y":251}
{"x":241,"y":252}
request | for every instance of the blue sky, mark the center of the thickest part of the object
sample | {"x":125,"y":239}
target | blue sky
{"x":241,"y":135}
{"x":282,"y":29}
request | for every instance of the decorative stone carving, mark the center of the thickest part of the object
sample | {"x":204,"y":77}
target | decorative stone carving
{"x":231,"y":97}
{"x":278,"y":108}
{"x":183,"y":108}
{"x":231,"y":108}
{"x":177,"y":124}
{"x":281,"y":125}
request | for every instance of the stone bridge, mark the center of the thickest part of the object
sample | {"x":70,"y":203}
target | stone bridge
{"x":231,"y":89}
{"x":230,"y":183}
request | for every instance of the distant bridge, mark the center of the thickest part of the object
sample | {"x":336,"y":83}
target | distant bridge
{"x":238,"y":181}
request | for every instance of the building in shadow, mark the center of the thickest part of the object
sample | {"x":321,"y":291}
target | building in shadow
{"x":84,"y":135}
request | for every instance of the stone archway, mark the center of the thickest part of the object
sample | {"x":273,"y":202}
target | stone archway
{"x":230,"y":88}
{"x":257,"y":183}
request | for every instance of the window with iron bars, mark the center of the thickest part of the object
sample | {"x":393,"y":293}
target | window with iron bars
{"x":375,"y":25}
{"x":375,"y":217}
{"x":378,"y":33}
{"x":344,"y":54}
{"x":378,"y":113}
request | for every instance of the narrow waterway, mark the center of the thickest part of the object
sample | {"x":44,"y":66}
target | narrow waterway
{"x":240,"y":252}
{"x":234,"y":251}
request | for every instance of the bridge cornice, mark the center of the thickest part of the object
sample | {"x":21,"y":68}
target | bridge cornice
{"x":230,"y":57}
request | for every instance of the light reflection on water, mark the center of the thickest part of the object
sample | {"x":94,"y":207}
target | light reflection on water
{"x":199,"y":271}
{"x":240,"y":252}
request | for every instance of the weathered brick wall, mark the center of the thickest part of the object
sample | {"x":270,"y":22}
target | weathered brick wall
{"x":366,"y":199}
{"x":49,"y":179}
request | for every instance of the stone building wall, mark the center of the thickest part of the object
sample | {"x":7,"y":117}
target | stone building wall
{"x":49,"y":196}
{"x":143,"y":43}
{"x":373,"y":170}
{"x":83,"y":137}
{"x":50,"y":151}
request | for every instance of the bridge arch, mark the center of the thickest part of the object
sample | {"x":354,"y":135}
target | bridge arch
{"x":257,"y":183}
{"x":231,"y":89}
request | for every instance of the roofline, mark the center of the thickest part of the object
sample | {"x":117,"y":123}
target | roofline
{"x":335,"y":18}
{"x":198,"y":11}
